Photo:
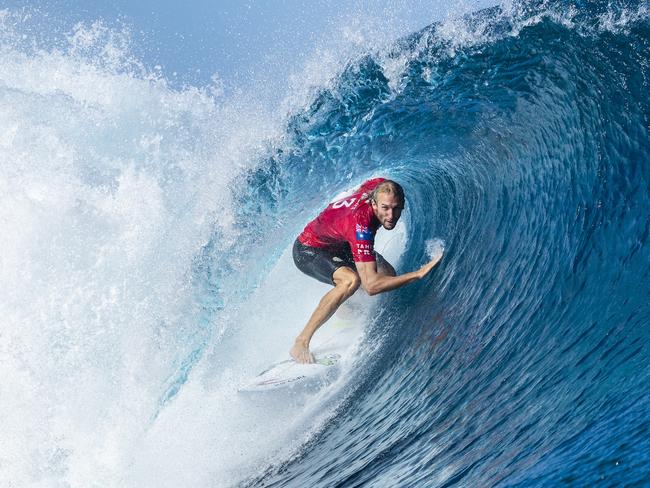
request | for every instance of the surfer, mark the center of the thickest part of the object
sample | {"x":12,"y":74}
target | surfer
{"x":337,"y":248}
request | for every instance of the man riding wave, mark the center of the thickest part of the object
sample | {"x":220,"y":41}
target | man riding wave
{"x":337,"y":248}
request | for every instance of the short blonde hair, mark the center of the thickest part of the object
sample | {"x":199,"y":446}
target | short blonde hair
{"x":389,"y":187}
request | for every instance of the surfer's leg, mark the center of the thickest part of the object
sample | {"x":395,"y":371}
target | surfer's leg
{"x":346,"y":282}
{"x":361,"y":300}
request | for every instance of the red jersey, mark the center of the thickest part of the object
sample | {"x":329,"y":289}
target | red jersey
{"x":348,"y":221}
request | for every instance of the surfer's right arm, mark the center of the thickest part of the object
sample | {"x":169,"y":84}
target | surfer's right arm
{"x":374,"y":282}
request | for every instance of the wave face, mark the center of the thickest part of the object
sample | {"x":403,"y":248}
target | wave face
{"x":522,"y":139}
{"x":141,"y":222}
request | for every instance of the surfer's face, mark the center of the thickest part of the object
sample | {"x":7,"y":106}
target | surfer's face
{"x":387,"y":209}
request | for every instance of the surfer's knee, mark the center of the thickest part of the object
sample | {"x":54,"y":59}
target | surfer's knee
{"x":347,"y":280}
{"x":351,"y":286}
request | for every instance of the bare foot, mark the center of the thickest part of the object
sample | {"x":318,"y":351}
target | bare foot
{"x":300,"y":353}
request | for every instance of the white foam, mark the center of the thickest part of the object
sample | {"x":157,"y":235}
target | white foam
{"x":111,"y":184}
{"x":619,"y":20}
{"x":435,"y":248}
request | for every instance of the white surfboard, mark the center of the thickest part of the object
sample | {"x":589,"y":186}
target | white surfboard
{"x":329,"y":349}
{"x":289,"y":374}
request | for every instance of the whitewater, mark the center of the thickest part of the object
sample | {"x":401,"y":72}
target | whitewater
{"x":145,"y":266}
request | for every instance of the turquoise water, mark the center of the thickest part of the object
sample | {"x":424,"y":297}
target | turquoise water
{"x":145,"y":273}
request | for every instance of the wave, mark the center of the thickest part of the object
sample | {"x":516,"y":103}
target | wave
{"x":522,"y":140}
{"x":144,"y":258}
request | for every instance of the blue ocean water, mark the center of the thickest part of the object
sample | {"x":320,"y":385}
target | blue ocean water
{"x":141,"y":223}
{"x":524,"y":360}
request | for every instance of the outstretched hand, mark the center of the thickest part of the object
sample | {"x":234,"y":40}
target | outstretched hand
{"x":424,"y":270}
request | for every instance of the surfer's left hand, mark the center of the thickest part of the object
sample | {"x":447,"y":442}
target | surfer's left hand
{"x":424,"y":270}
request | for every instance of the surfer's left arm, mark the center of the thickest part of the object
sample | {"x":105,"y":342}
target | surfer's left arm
{"x":374,"y":282}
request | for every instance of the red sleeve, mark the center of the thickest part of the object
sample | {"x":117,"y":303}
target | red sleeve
{"x":369,"y":185}
{"x":361,"y":237}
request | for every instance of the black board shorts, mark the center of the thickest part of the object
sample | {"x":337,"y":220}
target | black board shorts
{"x":320,"y":263}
